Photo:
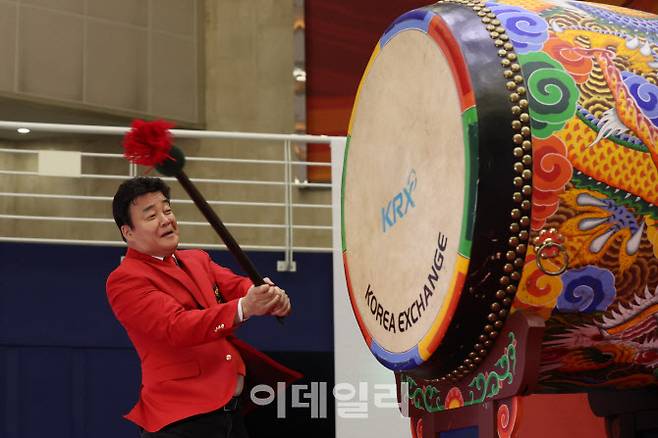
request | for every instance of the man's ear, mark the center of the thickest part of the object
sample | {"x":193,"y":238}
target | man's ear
{"x":126,"y":231}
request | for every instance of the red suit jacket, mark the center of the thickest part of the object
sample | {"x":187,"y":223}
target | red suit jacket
{"x":184,"y":336}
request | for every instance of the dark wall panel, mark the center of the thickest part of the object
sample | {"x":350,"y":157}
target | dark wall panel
{"x":55,"y":295}
{"x":46,"y":384}
{"x":111,"y":387}
{"x":68,"y":369}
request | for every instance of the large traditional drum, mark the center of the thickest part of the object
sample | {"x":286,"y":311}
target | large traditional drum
{"x":502,"y":157}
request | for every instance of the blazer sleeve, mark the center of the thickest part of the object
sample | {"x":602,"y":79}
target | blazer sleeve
{"x":141,"y":307}
{"x":231,"y":286}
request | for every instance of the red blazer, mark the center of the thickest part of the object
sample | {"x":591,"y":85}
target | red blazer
{"x":183,"y":336}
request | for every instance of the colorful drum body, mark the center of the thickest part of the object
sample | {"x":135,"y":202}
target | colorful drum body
{"x":502,"y":157}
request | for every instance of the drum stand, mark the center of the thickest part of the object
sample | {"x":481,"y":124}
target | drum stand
{"x":487,"y":402}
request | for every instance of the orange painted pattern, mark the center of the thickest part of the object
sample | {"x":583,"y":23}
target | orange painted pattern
{"x":357,"y":314}
{"x":531,"y":5}
{"x":612,"y":164}
{"x":646,"y":313}
{"x":431,"y":341}
{"x":551,"y":172}
{"x":440,"y":33}
{"x":537,"y":292}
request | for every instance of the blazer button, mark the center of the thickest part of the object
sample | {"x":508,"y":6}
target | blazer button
{"x":221,"y":326}
{"x":229,"y":357}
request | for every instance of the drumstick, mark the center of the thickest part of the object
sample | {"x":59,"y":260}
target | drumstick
{"x":149,"y":144}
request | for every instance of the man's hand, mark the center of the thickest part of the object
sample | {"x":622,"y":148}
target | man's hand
{"x":283,"y":306}
{"x":259,"y":300}
{"x":266,"y":299}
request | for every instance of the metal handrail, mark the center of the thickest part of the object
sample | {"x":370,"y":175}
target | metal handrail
{"x":173,"y":200}
{"x":197,"y":180}
{"x":182,"y":245}
{"x":191,"y":223}
{"x":180,"y":133}
{"x":204,"y":159}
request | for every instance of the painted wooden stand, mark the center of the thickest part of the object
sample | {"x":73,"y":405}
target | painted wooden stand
{"x":486,"y":403}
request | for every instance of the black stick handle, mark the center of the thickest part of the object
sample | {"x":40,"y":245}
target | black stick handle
{"x":243,"y":260}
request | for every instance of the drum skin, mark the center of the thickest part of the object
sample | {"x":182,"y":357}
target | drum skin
{"x":502,"y":157}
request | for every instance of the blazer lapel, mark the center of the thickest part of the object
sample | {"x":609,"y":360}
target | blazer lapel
{"x":198,"y":275}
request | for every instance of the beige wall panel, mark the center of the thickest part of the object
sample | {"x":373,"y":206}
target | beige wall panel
{"x":116,"y":66}
{"x":133,"y":12}
{"x":50,"y":54}
{"x":249,"y":61}
{"x":64,"y":186}
{"x":75,"y":6}
{"x":249,"y":87}
{"x":174,"y":16}
{"x":173,"y":77}
{"x":69,"y":50}
{"x":64,"y":230}
{"x":8,"y":19}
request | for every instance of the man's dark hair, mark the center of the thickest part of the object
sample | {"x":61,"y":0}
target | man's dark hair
{"x":131,"y":189}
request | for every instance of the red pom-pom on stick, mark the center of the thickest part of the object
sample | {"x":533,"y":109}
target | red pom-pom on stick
{"x":148,"y":143}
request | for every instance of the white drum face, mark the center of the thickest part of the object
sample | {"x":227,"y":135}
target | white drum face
{"x":404,"y":191}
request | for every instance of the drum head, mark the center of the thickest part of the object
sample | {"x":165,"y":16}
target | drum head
{"x":406,"y":189}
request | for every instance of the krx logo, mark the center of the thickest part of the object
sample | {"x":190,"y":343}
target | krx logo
{"x":399,"y":206}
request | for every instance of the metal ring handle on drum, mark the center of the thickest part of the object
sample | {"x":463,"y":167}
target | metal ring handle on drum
{"x":539,"y":258}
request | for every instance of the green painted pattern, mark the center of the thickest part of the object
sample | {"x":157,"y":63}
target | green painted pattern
{"x":488,"y":385}
{"x":638,"y":205}
{"x":470,"y":126}
{"x":484,"y":386}
{"x":552,"y":93}
{"x":342,"y":194}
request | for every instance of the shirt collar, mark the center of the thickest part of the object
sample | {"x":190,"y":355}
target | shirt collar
{"x":133,"y":253}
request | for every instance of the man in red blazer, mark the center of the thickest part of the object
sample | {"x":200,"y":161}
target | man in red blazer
{"x":179,"y":310}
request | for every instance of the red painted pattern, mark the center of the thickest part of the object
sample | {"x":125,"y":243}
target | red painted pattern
{"x":452,"y":306}
{"x":443,"y":36}
{"x":362,"y":326}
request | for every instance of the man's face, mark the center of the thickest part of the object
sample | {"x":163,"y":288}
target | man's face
{"x":154,"y":231}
